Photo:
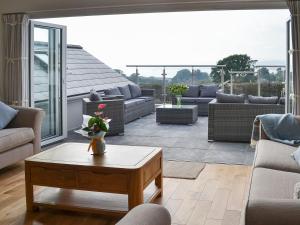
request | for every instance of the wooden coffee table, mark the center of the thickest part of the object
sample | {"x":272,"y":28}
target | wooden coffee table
{"x":112,"y":184}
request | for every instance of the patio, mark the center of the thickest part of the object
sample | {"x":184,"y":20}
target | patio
{"x":179,"y":142}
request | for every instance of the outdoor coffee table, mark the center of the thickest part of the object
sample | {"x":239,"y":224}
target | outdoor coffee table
{"x":112,"y":184}
{"x":173,"y":114}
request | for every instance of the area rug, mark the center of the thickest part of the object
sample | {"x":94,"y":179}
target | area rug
{"x":182,"y":170}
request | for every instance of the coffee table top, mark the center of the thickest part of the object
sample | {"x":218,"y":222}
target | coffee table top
{"x":116,"y":156}
{"x":175,"y":107}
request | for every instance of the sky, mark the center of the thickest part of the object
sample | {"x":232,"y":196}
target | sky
{"x":180,"y":37}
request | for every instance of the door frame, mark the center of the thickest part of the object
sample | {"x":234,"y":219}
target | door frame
{"x":63,"y":93}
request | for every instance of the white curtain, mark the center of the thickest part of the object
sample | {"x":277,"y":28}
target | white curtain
{"x":16,"y":63}
{"x":294,"y":7}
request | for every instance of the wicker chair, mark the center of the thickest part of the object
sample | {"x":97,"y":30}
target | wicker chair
{"x":234,"y":121}
{"x":114,"y":110}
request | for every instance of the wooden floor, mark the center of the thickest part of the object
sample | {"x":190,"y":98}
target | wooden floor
{"x":216,"y":197}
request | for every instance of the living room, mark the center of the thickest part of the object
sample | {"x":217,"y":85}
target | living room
{"x":64,"y":183}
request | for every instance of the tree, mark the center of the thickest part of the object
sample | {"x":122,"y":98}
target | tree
{"x":236,"y":62}
{"x":185,"y":76}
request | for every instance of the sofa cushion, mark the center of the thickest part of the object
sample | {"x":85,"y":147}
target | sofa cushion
{"x":281,"y":101}
{"x":94,"y":96}
{"x":133,"y":102}
{"x":271,"y":198}
{"x":277,"y":156}
{"x":7,"y":114}
{"x":14,"y":137}
{"x":196,"y":100}
{"x":135,"y":90}
{"x":146,"y":98}
{"x":262,"y":100}
{"x":125,"y":91}
{"x":193,"y":91}
{"x":112,"y":91}
{"x":208,"y":90}
{"x":228,"y":98}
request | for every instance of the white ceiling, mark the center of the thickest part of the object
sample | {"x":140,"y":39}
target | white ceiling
{"x":63,"y":8}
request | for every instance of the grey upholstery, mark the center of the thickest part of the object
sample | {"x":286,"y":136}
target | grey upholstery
{"x":122,"y":111}
{"x":22,"y":137}
{"x":125,"y":91}
{"x":135,"y":91}
{"x":262,"y":100}
{"x":234,"y":121}
{"x":147,"y":214}
{"x":7,"y":114}
{"x":274,"y":176}
{"x":196,"y":100}
{"x":193,"y":91}
{"x":112,"y":91}
{"x":229,"y":98}
{"x":208,"y":90}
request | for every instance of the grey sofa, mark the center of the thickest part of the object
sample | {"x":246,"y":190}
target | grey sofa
{"x":22,"y":137}
{"x":121,"y":110}
{"x":147,"y":214}
{"x":199,"y":95}
{"x":234,"y":121}
{"x":274,"y":175}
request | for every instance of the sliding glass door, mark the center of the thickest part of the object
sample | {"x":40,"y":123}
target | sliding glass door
{"x":48,"y":65}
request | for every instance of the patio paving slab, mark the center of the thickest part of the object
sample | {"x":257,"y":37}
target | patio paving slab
{"x":179,"y":142}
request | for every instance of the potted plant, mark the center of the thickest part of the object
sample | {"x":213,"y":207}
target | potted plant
{"x":95,"y":127}
{"x":178,"y":90}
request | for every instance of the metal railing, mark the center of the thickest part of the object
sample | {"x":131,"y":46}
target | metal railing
{"x":164,"y":73}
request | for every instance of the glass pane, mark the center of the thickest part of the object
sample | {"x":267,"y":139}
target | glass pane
{"x":46,"y":79}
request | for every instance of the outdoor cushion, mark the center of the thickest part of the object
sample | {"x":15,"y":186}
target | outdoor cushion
{"x":112,"y":91}
{"x":146,"y":98}
{"x":208,"y":90}
{"x":193,"y":91}
{"x":196,"y":100}
{"x":271,"y":198}
{"x":14,"y":137}
{"x":262,"y":100}
{"x":135,"y":91}
{"x":94,"y":96}
{"x":277,"y":156}
{"x":6,"y":115}
{"x":281,"y":100}
{"x":133,"y":102}
{"x":125,"y":91}
{"x":228,"y":98}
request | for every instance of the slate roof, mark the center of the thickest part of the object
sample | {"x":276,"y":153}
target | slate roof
{"x":84,"y":72}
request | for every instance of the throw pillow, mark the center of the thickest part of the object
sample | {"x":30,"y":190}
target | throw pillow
{"x":6,"y":115}
{"x":297,"y":191}
{"x":208,"y":90}
{"x":94,"y":96}
{"x":193,"y":91}
{"x":135,"y":91}
{"x":112,"y":91}
{"x":262,"y":100}
{"x":228,"y":98}
{"x":125,"y":91}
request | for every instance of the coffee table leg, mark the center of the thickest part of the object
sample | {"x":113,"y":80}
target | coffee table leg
{"x":29,"y":190}
{"x":159,"y":184}
{"x":136,"y":189}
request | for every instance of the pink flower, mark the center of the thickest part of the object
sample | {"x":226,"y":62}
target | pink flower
{"x":101,"y":106}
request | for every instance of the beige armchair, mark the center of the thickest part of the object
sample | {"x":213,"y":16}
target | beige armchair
{"x":22,"y":137}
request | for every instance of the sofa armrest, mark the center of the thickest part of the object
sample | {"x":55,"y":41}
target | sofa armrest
{"x":148,"y":92}
{"x":29,"y":117}
{"x":150,"y":214}
{"x":272,"y":211}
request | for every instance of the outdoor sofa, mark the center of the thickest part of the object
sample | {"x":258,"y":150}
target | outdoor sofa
{"x":271,"y":195}
{"x":123,"y":105}
{"x":21,"y":138}
{"x":234,"y":121}
{"x":199,"y":95}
